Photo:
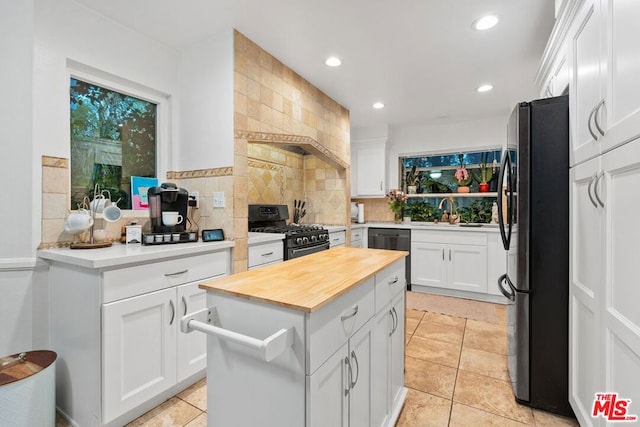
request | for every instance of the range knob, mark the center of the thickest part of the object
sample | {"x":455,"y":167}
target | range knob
{"x":299,"y":240}
{"x":314,"y":238}
{"x":323,"y":237}
{"x":305,"y":239}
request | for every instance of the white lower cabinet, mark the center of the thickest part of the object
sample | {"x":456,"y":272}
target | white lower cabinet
{"x":357,"y":237}
{"x":117,"y":335}
{"x":337,"y":238}
{"x":449,"y":259}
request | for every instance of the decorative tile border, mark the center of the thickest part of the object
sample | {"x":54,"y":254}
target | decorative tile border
{"x":201,"y":173}
{"x":263,"y":165}
{"x":55,"y":162}
{"x":283,"y":140}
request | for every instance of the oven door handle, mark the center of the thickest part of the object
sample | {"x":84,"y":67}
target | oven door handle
{"x":298,"y":252}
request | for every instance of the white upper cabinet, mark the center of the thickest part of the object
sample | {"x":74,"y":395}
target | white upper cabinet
{"x":368,"y":168}
{"x":587,"y":87}
{"x":620,"y":115}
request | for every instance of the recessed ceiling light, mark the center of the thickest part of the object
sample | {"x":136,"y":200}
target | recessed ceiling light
{"x":333,"y":61}
{"x":484,"y":88}
{"x":485,"y":22}
{"x":378,"y":105}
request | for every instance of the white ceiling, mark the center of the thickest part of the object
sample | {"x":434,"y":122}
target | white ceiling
{"x":420,"y":57}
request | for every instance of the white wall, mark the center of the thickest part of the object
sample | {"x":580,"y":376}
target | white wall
{"x":449,"y":138}
{"x":206,"y":110}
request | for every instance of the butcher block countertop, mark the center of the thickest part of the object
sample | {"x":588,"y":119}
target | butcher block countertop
{"x":309,"y":282}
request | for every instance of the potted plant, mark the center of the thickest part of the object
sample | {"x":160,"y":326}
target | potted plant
{"x":413,"y":180}
{"x":462,"y":176}
{"x":485,"y":175}
{"x":398,"y":203}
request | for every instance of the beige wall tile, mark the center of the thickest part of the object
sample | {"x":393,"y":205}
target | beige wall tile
{"x":55,"y":205}
{"x":55,"y":180}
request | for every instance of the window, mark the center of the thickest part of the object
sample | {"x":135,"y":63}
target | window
{"x":113,"y":137}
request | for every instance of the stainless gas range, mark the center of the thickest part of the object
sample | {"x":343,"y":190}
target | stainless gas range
{"x":300,"y":239}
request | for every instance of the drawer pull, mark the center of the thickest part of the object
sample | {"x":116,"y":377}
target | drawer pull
{"x":394,"y":281}
{"x":176,"y":273}
{"x":184,"y":302}
{"x":268,"y":253}
{"x":354,"y":311}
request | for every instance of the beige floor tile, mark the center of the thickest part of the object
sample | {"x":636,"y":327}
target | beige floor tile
{"x":173,"y":412}
{"x":411,"y":325}
{"x":490,"y":395}
{"x":444,"y":319}
{"x":465,"y":416}
{"x":485,"y":336}
{"x":200,"y":421}
{"x":547,"y":419}
{"x":441,"y":352}
{"x":414,"y":314}
{"x":437,"y":331}
{"x":501,"y":313}
{"x":407,"y":338}
{"x":196,"y":395}
{"x":424,"y":410}
{"x":485,"y":363}
{"x":61,"y":421}
{"x":429,"y":377}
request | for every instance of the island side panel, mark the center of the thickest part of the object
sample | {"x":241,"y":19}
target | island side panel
{"x":243,"y":389}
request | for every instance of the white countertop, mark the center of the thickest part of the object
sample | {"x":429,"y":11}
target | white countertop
{"x":257,"y":238}
{"x":332,"y":228}
{"x":118,"y":254}
{"x":486,"y":228}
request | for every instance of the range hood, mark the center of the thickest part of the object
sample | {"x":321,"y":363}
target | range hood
{"x":295,"y":143}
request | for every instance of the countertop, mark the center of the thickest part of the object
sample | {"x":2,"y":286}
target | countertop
{"x":307,"y":283}
{"x":118,"y":254}
{"x":485,"y":228}
{"x":257,"y":238}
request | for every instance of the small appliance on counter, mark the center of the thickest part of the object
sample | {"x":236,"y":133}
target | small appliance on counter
{"x":168,"y":206}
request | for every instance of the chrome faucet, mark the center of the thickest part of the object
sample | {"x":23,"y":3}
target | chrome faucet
{"x":453,"y":217}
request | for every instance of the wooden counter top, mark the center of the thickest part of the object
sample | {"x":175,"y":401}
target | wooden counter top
{"x":307,"y":283}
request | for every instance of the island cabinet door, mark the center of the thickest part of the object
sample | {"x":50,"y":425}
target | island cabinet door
{"x":328,"y":396}
{"x":380,"y":368}
{"x":396,"y":363}
{"x":360,"y":370}
{"x":192,"y":347}
{"x":139,"y":342}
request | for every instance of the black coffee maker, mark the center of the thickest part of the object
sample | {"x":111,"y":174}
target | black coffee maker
{"x":167,"y":198}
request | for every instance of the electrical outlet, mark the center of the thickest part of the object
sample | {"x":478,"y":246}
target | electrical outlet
{"x":195,"y":195}
{"x":218,"y":199}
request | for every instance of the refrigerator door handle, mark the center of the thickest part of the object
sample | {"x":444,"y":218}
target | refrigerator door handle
{"x":506,"y":164}
{"x":510,"y":293}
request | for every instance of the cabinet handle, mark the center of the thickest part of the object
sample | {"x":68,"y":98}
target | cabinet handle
{"x":268,"y":253}
{"x":173,"y":312}
{"x":184,"y":302}
{"x":177,"y":273}
{"x":394,"y":319}
{"x":595,"y":117}
{"x":349,"y":375}
{"x":394,"y":281}
{"x":355,"y":358}
{"x":449,"y":254}
{"x":595,"y":189}
{"x":593,"y":202}
{"x":380,"y":185}
{"x":354,"y":311}
{"x":593,"y":134}
{"x":443,"y":254}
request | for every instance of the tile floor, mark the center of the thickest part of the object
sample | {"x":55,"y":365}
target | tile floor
{"x":455,"y":370}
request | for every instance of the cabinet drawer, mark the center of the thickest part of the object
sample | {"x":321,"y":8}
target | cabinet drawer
{"x":356,"y":235}
{"x":332,"y":325}
{"x":265,"y":253}
{"x":337,"y":238}
{"x":455,"y":237}
{"x":388,"y":283}
{"x":140,"y":279}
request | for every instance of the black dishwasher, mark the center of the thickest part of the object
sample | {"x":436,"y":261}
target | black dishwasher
{"x":397,"y":239}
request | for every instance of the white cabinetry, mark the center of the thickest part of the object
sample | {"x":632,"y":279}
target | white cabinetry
{"x":368,"y":168}
{"x":115,"y":327}
{"x":449,"y":259}
{"x":604,"y":318}
{"x":337,"y":238}
{"x":265,"y":254}
{"x":357,"y":237}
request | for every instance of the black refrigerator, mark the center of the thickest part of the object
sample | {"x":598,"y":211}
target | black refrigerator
{"x":534,"y":226}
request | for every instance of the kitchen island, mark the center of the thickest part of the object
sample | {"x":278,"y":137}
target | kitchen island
{"x":315,"y":341}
